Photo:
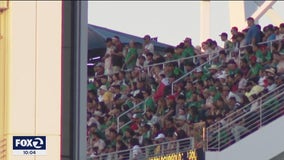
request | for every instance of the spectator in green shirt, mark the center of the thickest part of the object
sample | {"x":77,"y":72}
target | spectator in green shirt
{"x":188,"y":48}
{"x":131,"y":56}
{"x":228,"y":45}
{"x":149,"y":101}
{"x":254,"y":67}
{"x":178,"y":51}
{"x":258,"y":53}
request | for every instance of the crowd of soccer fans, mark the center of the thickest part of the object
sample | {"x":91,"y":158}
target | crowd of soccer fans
{"x":220,"y":80}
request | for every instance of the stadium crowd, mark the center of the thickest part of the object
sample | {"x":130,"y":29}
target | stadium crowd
{"x":221,"y":80}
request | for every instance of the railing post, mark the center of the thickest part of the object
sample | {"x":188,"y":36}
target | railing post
{"x":204,"y":138}
{"x":117,"y":124}
{"x":271,"y":46}
{"x":260,"y":113}
{"x":172,"y":88}
{"x":239,"y":58}
{"x":218,"y":138}
{"x":177,"y":146}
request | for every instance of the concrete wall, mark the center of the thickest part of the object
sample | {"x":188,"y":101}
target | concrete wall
{"x":33,"y":85}
{"x":264,"y":144}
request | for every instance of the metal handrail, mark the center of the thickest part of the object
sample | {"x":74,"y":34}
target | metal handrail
{"x":262,"y":98}
{"x":260,"y":43}
{"x":147,"y":67}
{"x":126,"y":112}
{"x":177,"y":60}
{"x":245,"y":121}
{"x":266,"y":42}
{"x":197,"y":56}
{"x":188,"y":73}
{"x":150,"y":151}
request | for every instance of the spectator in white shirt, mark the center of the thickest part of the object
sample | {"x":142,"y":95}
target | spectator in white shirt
{"x":148,"y":46}
{"x":135,"y":151}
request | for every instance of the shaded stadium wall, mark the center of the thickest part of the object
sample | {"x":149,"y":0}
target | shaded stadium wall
{"x":31,"y":75}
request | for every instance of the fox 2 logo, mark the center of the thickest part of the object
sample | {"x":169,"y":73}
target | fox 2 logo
{"x":29,"y":142}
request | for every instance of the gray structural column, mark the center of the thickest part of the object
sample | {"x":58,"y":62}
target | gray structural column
{"x":74,"y":80}
{"x":81,"y":45}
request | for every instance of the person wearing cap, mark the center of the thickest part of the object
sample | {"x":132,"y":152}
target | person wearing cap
{"x":160,"y":138}
{"x":228,"y":45}
{"x":270,"y":71}
{"x":253,"y":35}
{"x":135,"y":152}
{"x":199,"y":74}
{"x":148,"y":46}
{"x":135,"y":123}
{"x":213,"y":71}
{"x":180,"y":122}
{"x":105,"y":95}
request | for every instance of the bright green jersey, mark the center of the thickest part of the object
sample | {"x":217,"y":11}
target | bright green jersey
{"x":188,"y":52}
{"x":268,"y":56}
{"x":131,"y":52}
{"x":259,"y":56}
{"x":255,"y":69}
{"x":177,"y":56}
{"x":150,"y":104}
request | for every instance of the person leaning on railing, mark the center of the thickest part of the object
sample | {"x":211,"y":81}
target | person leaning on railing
{"x":253,"y":34}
